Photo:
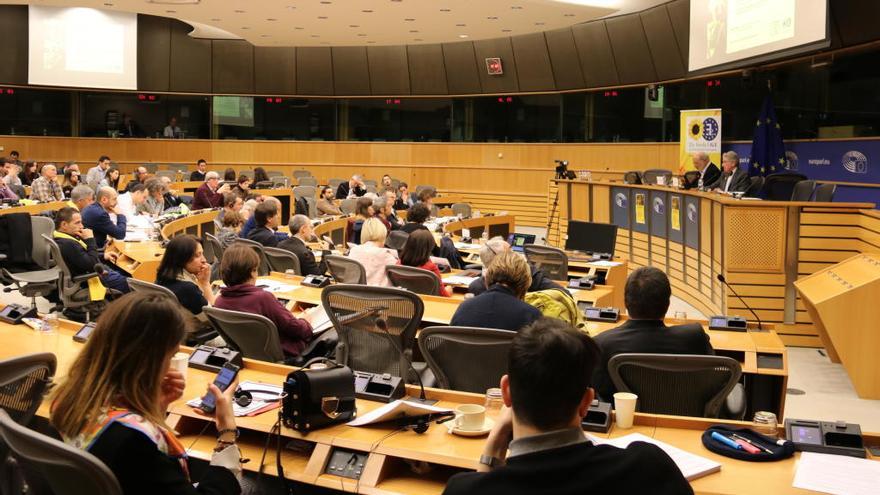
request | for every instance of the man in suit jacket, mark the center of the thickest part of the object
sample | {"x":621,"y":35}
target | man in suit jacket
{"x":354,"y":188}
{"x":538,"y":446}
{"x":646,"y":297}
{"x":266,"y":216}
{"x":709,"y":172}
{"x":209,"y":195}
{"x":96,"y":217}
{"x":301,"y":232}
{"x":198,"y":175}
{"x":732,"y":179}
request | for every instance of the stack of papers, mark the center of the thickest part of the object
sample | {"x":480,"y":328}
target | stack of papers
{"x":458,"y":280}
{"x":273,"y":286}
{"x":265,"y":398}
{"x":605,"y":263}
{"x":465,"y":245}
{"x":140,"y":235}
{"x":837,"y":474}
{"x":396,"y":410}
{"x":691,"y":466}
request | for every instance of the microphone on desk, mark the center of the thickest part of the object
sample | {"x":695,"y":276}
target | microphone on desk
{"x":724,"y":281}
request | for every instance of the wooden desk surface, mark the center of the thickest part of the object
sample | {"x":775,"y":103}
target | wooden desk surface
{"x":34,"y":209}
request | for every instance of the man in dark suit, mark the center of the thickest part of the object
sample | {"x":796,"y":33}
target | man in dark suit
{"x":709,"y":172}
{"x":266,"y":216}
{"x":301,"y":232}
{"x":354,"y":188}
{"x":538,"y":446}
{"x":732,"y":179}
{"x":646,"y":297}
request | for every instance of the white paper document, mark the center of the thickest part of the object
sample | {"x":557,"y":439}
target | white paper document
{"x":691,"y":466}
{"x":273,"y":286}
{"x":458,"y":280}
{"x":465,"y":245}
{"x":837,"y":474}
{"x":605,"y":263}
{"x":395,"y":410}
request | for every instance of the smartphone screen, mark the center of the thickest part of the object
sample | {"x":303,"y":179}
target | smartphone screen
{"x":224,"y":379}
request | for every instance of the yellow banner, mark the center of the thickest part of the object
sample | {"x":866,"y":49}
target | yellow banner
{"x":700,"y":131}
{"x":675,"y":219}
{"x":640,"y":208}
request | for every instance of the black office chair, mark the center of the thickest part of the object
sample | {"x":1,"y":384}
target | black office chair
{"x":677,"y":384}
{"x":254,"y":335}
{"x":414,"y":279}
{"x":452,"y":351}
{"x":824,"y":193}
{"x":42,"y":281}
{"x":632,"y":177}
{"x":803,"y":190}
{"x":650,"y":176}
{"x":346,"y":270}
{"x":396,"y":240}
{"x":691,"y":179}
{"x":73,"y":291}
{"x":779,"y":187}
{"x":281,"y":260}
{"x":552,"y":261}
{"x":264,"y":267}
{"x":757,"y":184}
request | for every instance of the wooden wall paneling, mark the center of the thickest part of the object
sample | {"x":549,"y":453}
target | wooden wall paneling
{"x":663,"y":44}
{"x":351,"y":74}
{"x":679,"y":14}
{"x":427,"y":70}
{"x":630,"y":47}
{"x":233,"y":66}
{"x":533,"y":68}
{"x":274,"y":70}
{"x":564,"y":59}
{"x":498,"y":47}
{"x":314,"y":71}
{"x":461,"y":68}
{"x":190,"y":61}
{"x":153,"y":53}
{"x":596,"y":57}
{"x":389,"y":70}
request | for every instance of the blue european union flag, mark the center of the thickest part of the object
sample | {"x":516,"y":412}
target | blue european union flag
{"x":768,"y":152}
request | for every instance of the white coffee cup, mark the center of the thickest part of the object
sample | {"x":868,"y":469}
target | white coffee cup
{"x":180,"y":362}
{"x":625,"y":409}
{"x":470,"y":417}
{"x":661,"y":180}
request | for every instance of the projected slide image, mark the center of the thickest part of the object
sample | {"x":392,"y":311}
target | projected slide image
{"x":754,"y":23}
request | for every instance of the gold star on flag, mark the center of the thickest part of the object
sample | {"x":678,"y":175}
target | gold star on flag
{"x":782,"y":161}
{"x":772,"y":168}
{"x":777,"y":126}
{"x":762,"y":170}
{"x":757,"y":165}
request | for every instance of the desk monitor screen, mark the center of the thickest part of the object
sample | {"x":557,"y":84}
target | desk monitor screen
{"x":517,"y":241}
{"x":591,"y":237}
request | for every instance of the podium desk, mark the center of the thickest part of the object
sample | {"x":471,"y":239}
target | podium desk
{"x":761,"y":247}
{"x":386,"y":470}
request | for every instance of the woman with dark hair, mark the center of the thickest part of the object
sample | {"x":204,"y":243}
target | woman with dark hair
{"x":28,"y":173}
{"x":362,"y":211}
{"x":417,"y":252}
{"x":185,"y":272}
{"x":71,"y":180}
{"x":415,"y":218}
{"x":260,"y":175}
{"x":116,"y":394}
{"x":243,"y":188}
{"x":111,"y":178}
{"x":229,"y":174}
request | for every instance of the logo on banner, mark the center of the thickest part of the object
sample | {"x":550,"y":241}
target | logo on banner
{"x":791,"y":160}
{"x":659,"y":207}
{"x":710,"y":129}
{"x":855,"y":162}
{"x":620,"y":200}
{"x":692,"y":213}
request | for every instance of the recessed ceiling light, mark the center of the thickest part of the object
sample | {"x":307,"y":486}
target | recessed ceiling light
{"x":216,"y":19}
{"x":492,"y":18}
{"x":462,"y":36}
{"x":445,"y":10}
{"x":362,"y":35}
{"x":569,"y":15}
{"x":298,"y":28}
{"x":170,"y":11}
{"x":316,"y":36}
{"x":539,"y":24}
{"x":506,"y":30}
{"x":322,"y":17}
{"x":516,"y":7}
{"x":108,"y":4}
{"x":245,"y":27}
{"x":367,"y":11}
{"x":326,"y":2}
{"x":461,"y":25}
{"x":414,"y":30}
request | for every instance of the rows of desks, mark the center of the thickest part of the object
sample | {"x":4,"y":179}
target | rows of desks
{"x":387,"y":470}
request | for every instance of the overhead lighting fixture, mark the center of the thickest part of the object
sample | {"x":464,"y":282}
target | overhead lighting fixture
{"x":462,"y":36}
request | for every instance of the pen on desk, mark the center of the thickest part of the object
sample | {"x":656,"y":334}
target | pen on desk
{"x":751,"y":449}
{"x":753,"y":444}
{"x":718,"y":437}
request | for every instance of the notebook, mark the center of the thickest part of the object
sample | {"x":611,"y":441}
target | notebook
{"x":691,"y":466}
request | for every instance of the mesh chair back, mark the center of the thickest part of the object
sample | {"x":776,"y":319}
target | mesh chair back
{"x":396,"y":239}
{"x":72,"y":294}
{"x":414,"y":279}
{"x":395,"y":183}
{"x":553,"y":261}
{"x":214,"y":246}
{"x":23,"y":381}
{"x":803,"y":190}
{"x":40,"y":226}
{"x":371,"y":188}
{"x":682,"y":385}
{"x":422,"y":187}
{"x":171,"y":174}
{"x":67,"y":470}
{"x":461,"y":209}
{"x":348,"y":205}
{"x":313,"y":207}
{"x":334,"y":183}
{"x":148,"y":288}
{"x":632,"y":177}
{"x":281,"y":260}
{"x":691,"y":178}
{"x":254,"y":335}
{"x":755,"y":187}
{"x":650,"y":176}
{"x":308,"y":181}
{"x":362,"y":345}
{"x":370,"y":182}
{"x":452,"y":351}
{"x":825,"y":193}
{"x":264,"y":268}
{"x":346,"y":270}
{"x":298,"y":174}
{"x":779,"y":187}
{"x":304,"y":191}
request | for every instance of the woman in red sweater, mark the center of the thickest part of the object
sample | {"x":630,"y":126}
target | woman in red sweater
{"x":417,"y":252}
{"x":239,"y":273}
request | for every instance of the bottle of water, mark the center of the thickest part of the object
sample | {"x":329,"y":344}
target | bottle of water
{"x":50,"y":323}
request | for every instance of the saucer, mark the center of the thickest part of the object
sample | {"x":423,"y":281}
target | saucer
{"x":487,"y":427}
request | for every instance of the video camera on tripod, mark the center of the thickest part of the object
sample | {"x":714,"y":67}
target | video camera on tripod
{"x":562,"y":171}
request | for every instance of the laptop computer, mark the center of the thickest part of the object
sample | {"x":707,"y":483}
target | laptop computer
{"x":517,"y":241}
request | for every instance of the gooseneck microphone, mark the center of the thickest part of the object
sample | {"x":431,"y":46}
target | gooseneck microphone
{"x":724,"y":281}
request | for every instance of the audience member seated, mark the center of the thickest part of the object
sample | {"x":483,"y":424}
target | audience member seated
{"x":45,"y":188}
{"x":362,"y":211}
{"x":384,"y":211}
{"x":97,"y":173}
{"x":198,"y":174}
{"x":239,"y":273}
{"x":646,"y":297}
{"x":266,"y":217}
{"x":373,"y":254}
{"x":80,"y":253}
{"x":426,"y":197}
{"x":115,"y":397}
{"x":417,"y":253}
{"x":260,"y":175}
{"x":210,"y":194}
{"x":231,"y":228}
{"x":6,"y":192}
{"x":96,"y":217}
{"x":390,"y":214}
{"x":404,"y":198}
{"x":502,"y":305}
{"x":129,"y":202}
{"x":354,"y":188}
{"x":242,"y":187}
{"x":28,"y":173}
{"x":185,"y":272}
{"x":140,"y":177}
{"x":415,"y":218}
{"x":111,"y":178}
{"x":538,"y":445}
{"x":301,"y":232}
{"x":732,"y":178}
{"x":325,"y":204}
{"x":251,"y":221}
{"x":171,"y":200}
{"x":11,"y":173}
{"x":81,"y":196}
{"x":386,"y":184}
{"x":71,"y":180}
{"x":497,"y":245}
{"x":709,"y":172}
{"x":229,"y":175}
{"x":231,"y":203}
{"x":154,"y":204}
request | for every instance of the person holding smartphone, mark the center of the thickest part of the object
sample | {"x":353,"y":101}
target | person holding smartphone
{"x":115,"y":397}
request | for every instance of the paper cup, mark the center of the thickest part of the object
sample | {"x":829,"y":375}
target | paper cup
{"x":470,"y":416}
{"x":180,"y":362}
{"x":624,"y":409}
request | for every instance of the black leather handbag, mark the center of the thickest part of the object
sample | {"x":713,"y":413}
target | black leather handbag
{"x":316,"y":398}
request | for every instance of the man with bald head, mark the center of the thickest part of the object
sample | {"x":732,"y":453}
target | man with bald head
{"x":492,"y":248}
{"x":140,"y":177}
{"x":709,"y":172}
{"x":96,"y":217}
{"x":44,"y":187}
